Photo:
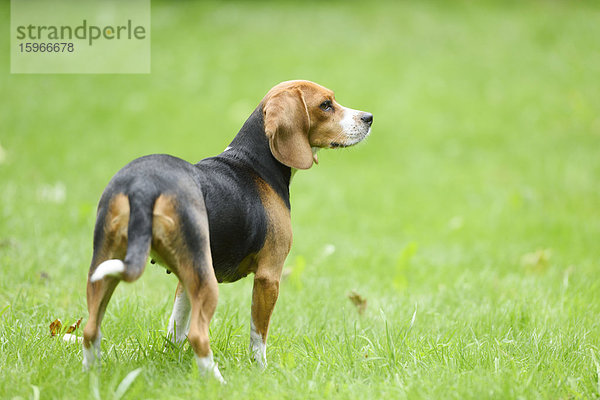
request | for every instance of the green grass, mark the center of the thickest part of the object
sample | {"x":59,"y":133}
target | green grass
{"x":485,"y":148}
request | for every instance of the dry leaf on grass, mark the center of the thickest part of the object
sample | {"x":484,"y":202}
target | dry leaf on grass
{"x":359,"y":301}
{"x":55,"y":327}
{"x":73,"y":327}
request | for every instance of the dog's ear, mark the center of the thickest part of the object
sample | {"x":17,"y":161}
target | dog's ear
{"x":287,"y":123}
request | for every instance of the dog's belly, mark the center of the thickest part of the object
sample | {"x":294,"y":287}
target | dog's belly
{"x":225,"y":269}
{"x":232,"y":273}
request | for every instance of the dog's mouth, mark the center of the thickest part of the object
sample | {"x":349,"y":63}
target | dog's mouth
{"x":353,"y":141}
{"x":335,"y":145}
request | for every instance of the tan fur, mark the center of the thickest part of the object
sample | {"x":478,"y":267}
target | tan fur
{"x":286,"y":123}
{"x":179,"y":291}
{"x":270,"y":258}
{"x":169,"y":245}
{"x":114,"y":245}
{"x":294,"y":122}
{"x":247,"y":265}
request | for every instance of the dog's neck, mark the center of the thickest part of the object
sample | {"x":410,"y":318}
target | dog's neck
{"x":251,"y":146}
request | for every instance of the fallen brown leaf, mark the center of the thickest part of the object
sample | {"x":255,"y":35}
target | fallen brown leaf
{"x":359,"y":301}
{"x":55,"y":327}
{"x":74,"y":326}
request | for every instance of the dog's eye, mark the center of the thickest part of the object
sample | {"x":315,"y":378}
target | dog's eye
{"x":326,"y":105}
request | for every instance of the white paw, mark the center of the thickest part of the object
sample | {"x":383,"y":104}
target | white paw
{"x":209,"y":368}
{"x":258,"y":349}
{"x":92,"y":354}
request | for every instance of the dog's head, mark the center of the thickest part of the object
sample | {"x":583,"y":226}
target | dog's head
{"x":301,"y":117}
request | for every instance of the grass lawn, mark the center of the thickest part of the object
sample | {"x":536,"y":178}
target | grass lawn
{"x":470,"y":221}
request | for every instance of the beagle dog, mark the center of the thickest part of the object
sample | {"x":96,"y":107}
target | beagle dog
{"x":218,"y":220}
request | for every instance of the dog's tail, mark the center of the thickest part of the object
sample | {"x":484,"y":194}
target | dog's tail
{"x":139,"y":237}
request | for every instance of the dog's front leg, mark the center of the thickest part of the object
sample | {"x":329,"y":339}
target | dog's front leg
{"x":264,"y":296}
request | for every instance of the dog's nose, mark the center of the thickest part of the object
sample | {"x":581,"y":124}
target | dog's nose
{"x":367,"y":118}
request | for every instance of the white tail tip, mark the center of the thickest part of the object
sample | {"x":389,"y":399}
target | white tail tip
{"x":108,"y":268}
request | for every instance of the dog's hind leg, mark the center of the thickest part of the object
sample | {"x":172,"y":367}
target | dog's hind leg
{"x":181,"y":239}
{"x":203,"y":293}
{"x":110,"y":242}
{"x":98,"y":295}
{"x":179,"y":323}
{"x":199,"y":280}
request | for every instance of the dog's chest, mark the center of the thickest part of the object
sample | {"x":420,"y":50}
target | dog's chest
{"x":237,"y":224}
{"x":240,"y":207}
